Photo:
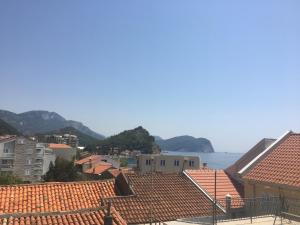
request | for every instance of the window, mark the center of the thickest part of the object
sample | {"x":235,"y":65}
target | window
{"x":162,"y":162}
{"x":191,"y":163}
{"x":27,"y":172}
{"x":6,"y":150}
{"x":28,"y":161}
{"x":38,"y":150}
{"x":176,"y":162}
{"x":148,"y":162}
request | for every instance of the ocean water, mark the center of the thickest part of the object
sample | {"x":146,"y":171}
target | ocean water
{"x":216,"y":160}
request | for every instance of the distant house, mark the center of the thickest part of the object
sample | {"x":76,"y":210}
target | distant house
{"x":166,"y":163}
{"x":63,"y":151}
{"x":88,"y":162}
{"x":276,"y":170}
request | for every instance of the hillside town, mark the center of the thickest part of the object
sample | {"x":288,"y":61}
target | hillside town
{"x":134,"y":112}
{"x":169,"y":189}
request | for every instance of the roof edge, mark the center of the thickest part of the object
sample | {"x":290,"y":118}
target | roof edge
{"x":245,"y":168}
{"x":203,"y":190}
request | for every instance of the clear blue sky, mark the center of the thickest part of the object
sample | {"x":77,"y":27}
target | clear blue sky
{"x":225,"y":70}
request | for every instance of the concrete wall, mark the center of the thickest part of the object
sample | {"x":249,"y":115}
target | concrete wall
{"x":25,"y":155}
{"x":166,"y":163}
{"x":258,"y":189}
{"x":65,"y":153}
{"x":7,"y":158}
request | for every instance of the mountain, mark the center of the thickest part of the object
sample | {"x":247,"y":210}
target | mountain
{"x":135,"y":139}
{"x":39,"y":121}
{"x":185,"y":144}
{"x":5,"y":128}
{"x":84,"y":139}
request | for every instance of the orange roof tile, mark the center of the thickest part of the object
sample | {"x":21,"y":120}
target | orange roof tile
{"x":52,"y":197}
{"x":100,"y":168}
{"x":53,"y":145}
{"x":281,"y":165}
{"x":161,"y":197}
{"x":225,"y":185}
{"x":249,"y":156}
{"x":92,"y":158}
{"x":86,"y":217}
{"x":7,"y":137}
{"x":205,"y":178}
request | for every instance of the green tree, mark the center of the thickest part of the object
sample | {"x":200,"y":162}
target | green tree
{"x":6,"y":179}
{"x":62,"y":171}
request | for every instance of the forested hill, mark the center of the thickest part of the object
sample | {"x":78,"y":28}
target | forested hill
{"x":5,"y":128}
{"x":135,"y":139}
{"x":185,"y":144}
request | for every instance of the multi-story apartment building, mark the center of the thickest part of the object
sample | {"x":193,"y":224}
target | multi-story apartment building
{"x":166,"y":163}
{"x":7,"y":153}
{"x":24,"y":158}
{"x":68,"y":139}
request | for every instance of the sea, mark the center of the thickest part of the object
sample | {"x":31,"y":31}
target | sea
{"x":215,"y":160}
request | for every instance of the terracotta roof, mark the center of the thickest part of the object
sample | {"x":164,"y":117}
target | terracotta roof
{"x":53,"y":145}
{"x":281,"y":165}
{"x":249,"y":156}
{"x":7,"y":137}
{"x":205,"y":178}
{"x":161,"y":197}
{"x":100,"y":168}
{"x":92,"y":158}
{"x":51,"y":197}
{"x":86,"y":217}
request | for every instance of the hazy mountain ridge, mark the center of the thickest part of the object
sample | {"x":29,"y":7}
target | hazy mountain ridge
{"x":5,"y":128}
{"x":40,"y":121}
{"x":84,"y":139}
{"x":185,"y":144}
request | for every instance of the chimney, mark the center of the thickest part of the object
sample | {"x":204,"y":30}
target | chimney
{"x":90,"y":162}
{"x":108,"y":218}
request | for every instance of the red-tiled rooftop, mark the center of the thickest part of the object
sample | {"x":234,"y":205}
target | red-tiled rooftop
{"x":7,"y":137}
{"x":52,"y":197}
{"x":249,"y":156}
{"x":84,"y":217}
{"x":161,"y":197}
{"x":92,"y":158}
{"x":205,"y":178}
{"x":100,"y":168}
{"x":281,"y":165}
{"x":63,"y":146}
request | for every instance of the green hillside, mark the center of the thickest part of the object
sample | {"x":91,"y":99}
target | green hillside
{"x":135,"y":139}
{"x":5,"y":128}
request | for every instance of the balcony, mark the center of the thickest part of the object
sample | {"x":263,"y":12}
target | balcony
{"x":6,"y":167}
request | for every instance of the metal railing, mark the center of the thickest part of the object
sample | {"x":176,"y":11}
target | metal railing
{"x":239,"y":208}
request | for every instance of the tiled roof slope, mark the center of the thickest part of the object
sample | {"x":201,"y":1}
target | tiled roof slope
{"x":52,"y":197}
{"x":281,"y":166}
{"x":205,"y":178}
{"x":161,"y":197}
{"x":64,"y":146}
{"x":87,"y":217}
{"x":92,"y":158}
{"x":100,"y":168}
{"x":7,"y":137}
{"x":249,"y":156}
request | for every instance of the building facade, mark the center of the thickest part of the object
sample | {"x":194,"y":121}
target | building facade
{"x":24,"y":158}
{"x":63,"y":151}
{"x":166,"y":163}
